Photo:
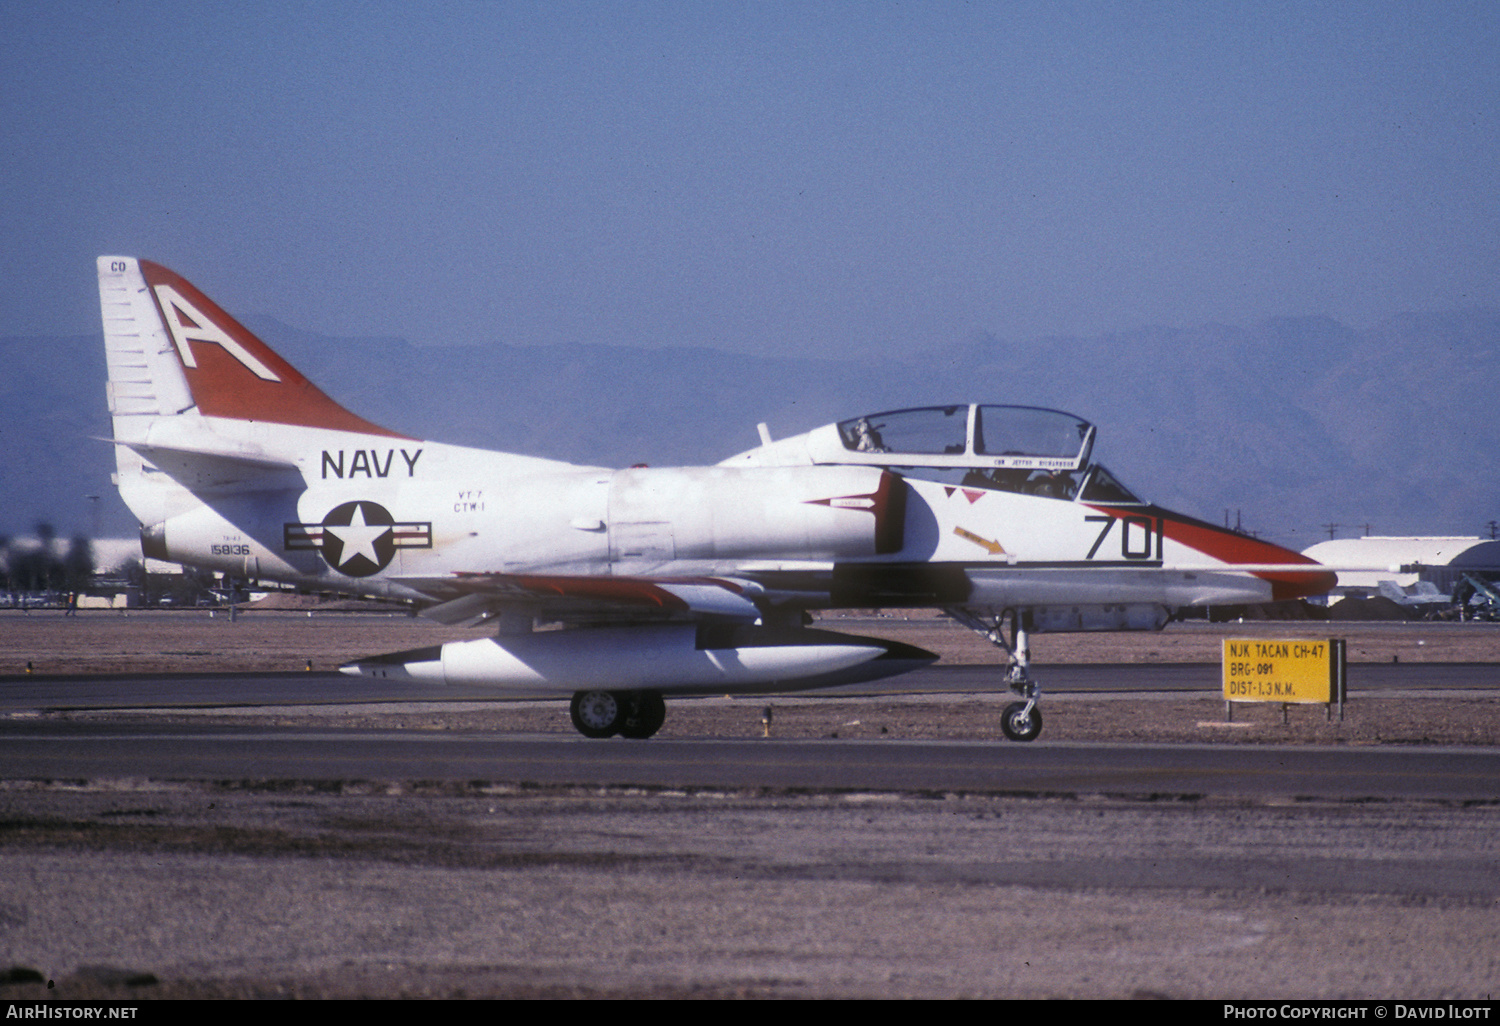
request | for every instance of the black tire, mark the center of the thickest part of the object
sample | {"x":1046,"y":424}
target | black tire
{"x":597,"y":714}
{"x":643,"y":713}
{"x":1020,"y":725}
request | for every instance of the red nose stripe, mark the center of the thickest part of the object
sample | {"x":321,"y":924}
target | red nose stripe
{"x":1238,"y":548}
{"x":1231,"y":547}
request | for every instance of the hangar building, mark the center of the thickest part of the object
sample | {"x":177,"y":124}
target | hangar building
{"x":1444,"y":561}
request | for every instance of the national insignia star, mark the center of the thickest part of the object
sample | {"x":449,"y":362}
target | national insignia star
{"x":358,"y":538}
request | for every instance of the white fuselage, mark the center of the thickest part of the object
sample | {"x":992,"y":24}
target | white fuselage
{"x":475,"y":511}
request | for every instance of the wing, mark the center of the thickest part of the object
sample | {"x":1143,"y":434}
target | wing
{"x":464,"y":597}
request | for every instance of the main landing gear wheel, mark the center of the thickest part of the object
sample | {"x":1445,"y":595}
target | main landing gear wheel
{"x":643,"y":713}
{"x":596,"y":713}
{"x":633,"y":714}
{"x":1021,"y":723}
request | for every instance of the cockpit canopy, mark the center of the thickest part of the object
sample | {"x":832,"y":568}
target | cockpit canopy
{"x":1009,"y":437}
{"x":1008,"y":448}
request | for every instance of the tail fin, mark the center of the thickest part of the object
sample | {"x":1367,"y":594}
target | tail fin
{"x":171,"y":349}
{"x":200,"y":405}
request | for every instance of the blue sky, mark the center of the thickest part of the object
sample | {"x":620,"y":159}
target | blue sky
{"x":833,"y":179}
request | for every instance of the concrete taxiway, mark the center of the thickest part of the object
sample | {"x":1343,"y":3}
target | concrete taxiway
{"x":20,"y":692}
{"x":47,"y":750}
{"x":150,"y":738}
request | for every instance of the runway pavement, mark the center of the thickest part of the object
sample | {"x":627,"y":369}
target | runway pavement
{"x":209,"y":690}
{"x":92,"y":750}
{"x":135,"y":728}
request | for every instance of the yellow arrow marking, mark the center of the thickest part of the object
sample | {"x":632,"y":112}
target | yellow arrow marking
{"x":993,"y":548}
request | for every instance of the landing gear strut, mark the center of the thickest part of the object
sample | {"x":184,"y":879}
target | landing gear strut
{"x":633,"y":714}
{"x":1021,"y":721}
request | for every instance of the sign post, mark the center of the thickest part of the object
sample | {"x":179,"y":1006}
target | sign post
{"x":1285,"y":670}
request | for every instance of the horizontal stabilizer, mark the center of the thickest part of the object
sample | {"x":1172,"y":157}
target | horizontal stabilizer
{"x":158,"y":453}
{"x":204,"y":470}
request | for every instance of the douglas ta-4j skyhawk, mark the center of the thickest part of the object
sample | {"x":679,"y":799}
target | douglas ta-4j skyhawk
{"x":664,"y":581}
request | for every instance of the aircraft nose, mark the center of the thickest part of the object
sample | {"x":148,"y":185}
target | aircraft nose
{"x":1303,"y":577}
{"x":1295,"y":582}
{"x":1302,"y":584}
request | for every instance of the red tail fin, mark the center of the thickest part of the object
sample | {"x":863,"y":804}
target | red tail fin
{"x":231,"y":372}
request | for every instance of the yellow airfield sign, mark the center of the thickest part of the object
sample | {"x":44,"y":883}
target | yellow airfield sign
{"x":1283,"y":670}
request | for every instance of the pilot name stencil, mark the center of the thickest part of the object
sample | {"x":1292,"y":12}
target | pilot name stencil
{"x":367,"y":462}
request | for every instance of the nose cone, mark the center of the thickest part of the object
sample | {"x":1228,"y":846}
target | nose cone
{"x":1303,"y":577}
{"x":1301,"y":584}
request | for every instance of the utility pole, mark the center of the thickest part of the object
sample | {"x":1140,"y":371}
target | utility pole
{"x":1330,"y":528}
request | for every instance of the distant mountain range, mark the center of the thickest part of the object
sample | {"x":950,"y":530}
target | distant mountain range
{"x":1284,"y":427}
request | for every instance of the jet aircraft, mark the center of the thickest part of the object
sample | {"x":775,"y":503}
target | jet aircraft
{"x":616,"y":588}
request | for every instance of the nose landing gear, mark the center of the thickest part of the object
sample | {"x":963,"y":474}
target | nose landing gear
{"x":1021,"y":721}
